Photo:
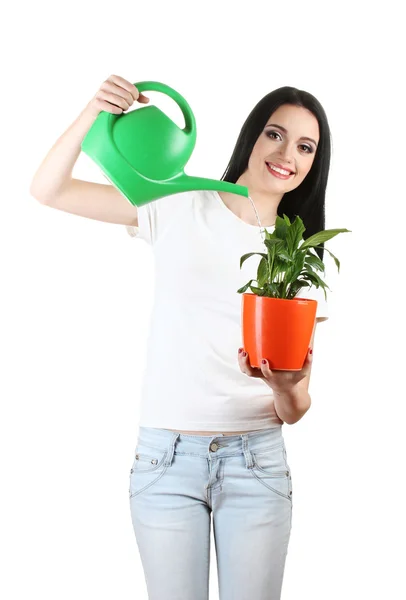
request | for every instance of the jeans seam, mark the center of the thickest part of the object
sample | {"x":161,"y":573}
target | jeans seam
{"x":270,"y":487}
{"x":150,"y":483}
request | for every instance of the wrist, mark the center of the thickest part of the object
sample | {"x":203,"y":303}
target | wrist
{"x":89,"y":113}
{"x":292,"y":404}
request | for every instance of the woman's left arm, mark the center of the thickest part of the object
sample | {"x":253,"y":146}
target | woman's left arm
{"x":291,"y":397}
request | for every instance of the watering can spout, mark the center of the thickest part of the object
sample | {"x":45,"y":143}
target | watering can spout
{"x":141,"y":191}
{"x":187,"y":183}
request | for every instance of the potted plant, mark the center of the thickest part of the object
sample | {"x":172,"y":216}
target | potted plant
{"x":275,"y":324}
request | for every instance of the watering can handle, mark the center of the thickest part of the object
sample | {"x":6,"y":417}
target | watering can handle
{"x":156,"y":86}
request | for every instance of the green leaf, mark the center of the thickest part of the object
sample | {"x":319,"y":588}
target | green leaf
{"x":245,"y":287}
{"x":286,"y":219}
{"x":244,"y":258}
{"x":262,"y":273}
{"x":281,"y":227}
{"x":321,"y":237}
{"x":270,"y":291}
{"x":257,"y":291}
{"x":272,"y":243}
{"x":280,"y":271}
{"x":314,"y":261}
{"x":295,"y":234}
{"x":316,"y":281}
{"x":282,"y":254}
{"x":299,"y":259}
{"x":296,"y":286}
{"x":313,"y":277}
{"x":273,"y":289}
{"x":337,"y":262}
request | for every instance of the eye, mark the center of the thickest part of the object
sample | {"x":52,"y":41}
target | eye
{"x":309,"y":149}
{"x":269,"y":133}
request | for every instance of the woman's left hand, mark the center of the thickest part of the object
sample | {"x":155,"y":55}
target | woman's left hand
{"x":280,"y":381}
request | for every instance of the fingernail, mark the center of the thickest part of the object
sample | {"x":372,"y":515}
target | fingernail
{"x":240,"y":350}
{"x":263,"y":361}
{"x":244,"y":354}
{"x":311,"y":351}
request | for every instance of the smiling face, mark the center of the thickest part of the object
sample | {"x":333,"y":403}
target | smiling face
{"x":288,"y":141}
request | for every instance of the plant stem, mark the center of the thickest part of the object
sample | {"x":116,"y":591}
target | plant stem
{"x":270,"y":267}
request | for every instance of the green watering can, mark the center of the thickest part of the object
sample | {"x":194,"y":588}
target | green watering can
{"x":143,"y":153}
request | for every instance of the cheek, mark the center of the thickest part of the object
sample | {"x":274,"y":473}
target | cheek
{"x":258,"y":153}
{"x":254,"y":160}
{"x":305,"y":168}
{"x":303,"y":171}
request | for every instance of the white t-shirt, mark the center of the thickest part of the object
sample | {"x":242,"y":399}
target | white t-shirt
{"x":197,"y":243}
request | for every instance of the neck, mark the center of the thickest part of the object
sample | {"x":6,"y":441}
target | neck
{"x":265,"y":202}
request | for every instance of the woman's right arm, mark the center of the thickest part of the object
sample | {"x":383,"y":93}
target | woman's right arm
{"x":53,"y":184}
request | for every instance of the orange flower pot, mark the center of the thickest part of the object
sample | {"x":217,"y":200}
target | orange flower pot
{"x":277,"y":329}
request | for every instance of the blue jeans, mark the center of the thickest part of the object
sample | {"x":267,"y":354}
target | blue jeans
{"x":177,"y":481}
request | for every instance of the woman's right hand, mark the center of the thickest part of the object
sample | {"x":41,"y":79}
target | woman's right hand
{"x":115,"y":96}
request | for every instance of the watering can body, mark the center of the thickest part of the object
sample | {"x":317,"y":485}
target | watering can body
{"x":143,"y":153}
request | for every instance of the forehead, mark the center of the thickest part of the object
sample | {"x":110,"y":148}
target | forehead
{"x":297,"y":120}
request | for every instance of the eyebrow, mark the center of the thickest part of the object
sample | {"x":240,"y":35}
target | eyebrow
{"x":286,"y":131}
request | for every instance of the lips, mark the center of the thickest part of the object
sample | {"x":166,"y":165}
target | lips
{"x":279,"y":166}
{"x":276,"y":174}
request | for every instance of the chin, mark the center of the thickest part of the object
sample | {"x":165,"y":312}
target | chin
{"x":278,"y":185}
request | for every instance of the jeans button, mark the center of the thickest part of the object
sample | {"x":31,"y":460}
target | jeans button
{"x":213,"y":447}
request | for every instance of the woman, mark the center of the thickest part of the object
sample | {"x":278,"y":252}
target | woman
{"x":210,"y":434}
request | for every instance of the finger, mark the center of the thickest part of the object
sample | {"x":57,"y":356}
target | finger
{"x":143,"y":99}
{"x":266,"y":371}
{"x":126,"y":85}
{"x":308,"y":360}
{"x":305,"y":370}
{"x":265,"y":367}
{"x":242,"y":360}
{"x":245,"y":365}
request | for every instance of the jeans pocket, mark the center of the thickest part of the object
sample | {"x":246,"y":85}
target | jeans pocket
{"x":271,"y":469}
{"x":148,"y":467}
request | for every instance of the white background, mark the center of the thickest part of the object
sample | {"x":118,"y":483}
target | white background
{"x":76,"y":293}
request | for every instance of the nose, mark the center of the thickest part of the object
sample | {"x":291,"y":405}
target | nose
{"x":286,"y":160}
{"x":285,"y":153}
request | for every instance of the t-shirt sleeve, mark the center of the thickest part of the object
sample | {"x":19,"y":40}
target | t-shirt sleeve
{"x":155,"y":216}
{"x":317,"y":294}
{"x":147,"y":223}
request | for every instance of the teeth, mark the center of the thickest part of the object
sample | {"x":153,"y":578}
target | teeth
{"x":281,"y":171}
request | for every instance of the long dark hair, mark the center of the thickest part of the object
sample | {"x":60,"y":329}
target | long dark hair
{"x":308,"y":199}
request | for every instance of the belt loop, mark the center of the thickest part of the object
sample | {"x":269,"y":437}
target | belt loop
{"x":171,"y":449}
{"x":247,"y":452}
